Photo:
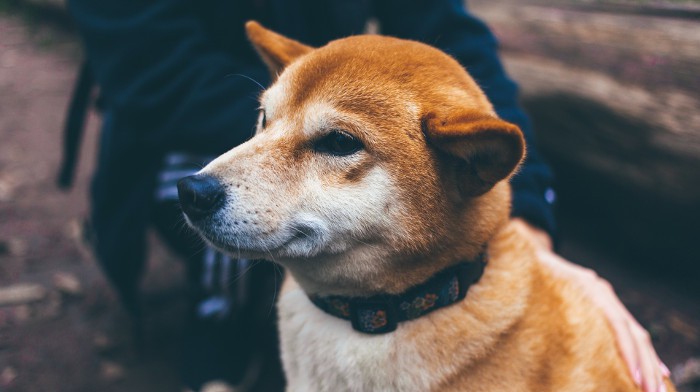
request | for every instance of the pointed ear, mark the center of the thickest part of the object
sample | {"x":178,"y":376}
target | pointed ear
{"x":481,"y":149}
{"x":277,"y":51}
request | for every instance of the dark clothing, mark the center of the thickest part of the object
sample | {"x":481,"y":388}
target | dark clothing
{"x":171,"y":78}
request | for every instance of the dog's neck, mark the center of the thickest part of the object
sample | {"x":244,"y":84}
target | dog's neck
{"x":368,"y":269}
{"x":382,"y":313}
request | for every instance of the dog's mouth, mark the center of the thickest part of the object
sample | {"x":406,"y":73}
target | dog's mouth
{"x":300,"y":239}
{"x":250,"y":252}
{"x":234,"y":243}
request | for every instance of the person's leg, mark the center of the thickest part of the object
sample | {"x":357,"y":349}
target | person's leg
{"x":230,"y":326}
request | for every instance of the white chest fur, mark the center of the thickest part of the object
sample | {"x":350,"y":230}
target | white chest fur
{"x":323,"y":353}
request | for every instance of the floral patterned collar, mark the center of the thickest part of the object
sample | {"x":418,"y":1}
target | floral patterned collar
{"x":381,"y":314}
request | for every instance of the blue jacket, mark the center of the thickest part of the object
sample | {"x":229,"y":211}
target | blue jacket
{"x":168,"y":77}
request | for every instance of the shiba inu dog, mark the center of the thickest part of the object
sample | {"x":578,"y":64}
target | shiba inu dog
{"x":378,"y":177}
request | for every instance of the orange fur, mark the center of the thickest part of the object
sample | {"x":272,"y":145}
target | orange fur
{"x":426,"y":125}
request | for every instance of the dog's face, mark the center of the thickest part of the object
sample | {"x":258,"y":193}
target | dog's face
{"x":370,"y":153}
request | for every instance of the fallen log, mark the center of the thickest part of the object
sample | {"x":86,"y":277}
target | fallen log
{"x":613,"y":88}
{"x":643,"y":139}
{"x":643,"y":70}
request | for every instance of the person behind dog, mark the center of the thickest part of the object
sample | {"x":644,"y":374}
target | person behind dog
{"x":178,"y":86}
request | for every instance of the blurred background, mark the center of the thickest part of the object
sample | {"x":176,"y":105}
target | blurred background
{"x":613,"y":88}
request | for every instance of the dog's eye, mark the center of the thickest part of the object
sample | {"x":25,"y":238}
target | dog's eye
{"x":338,"y":142}
{"x":263,"y":119}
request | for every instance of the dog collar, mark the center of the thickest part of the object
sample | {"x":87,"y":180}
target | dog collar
{"x":381,"y":314}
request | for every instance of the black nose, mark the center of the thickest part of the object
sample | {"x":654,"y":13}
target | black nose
{"x":200,"y":195}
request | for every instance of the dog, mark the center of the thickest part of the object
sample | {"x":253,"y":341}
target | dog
{"x":378,"y":177}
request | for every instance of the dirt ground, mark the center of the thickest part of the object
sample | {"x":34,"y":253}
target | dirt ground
{"x":66,"y":332}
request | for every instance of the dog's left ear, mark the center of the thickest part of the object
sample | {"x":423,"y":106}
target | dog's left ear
{"x":481,"y":149}
{"x":277,"y":51}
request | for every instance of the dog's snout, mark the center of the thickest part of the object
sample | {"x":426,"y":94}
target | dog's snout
{"x":200,"y":195}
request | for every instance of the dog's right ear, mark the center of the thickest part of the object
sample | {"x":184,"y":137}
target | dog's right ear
{"x":277,"y":51}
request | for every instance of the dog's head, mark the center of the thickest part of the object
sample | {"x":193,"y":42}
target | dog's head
{"x":372,"y":155}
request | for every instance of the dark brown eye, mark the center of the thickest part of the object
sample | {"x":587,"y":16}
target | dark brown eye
{"x":339,"y":143}
{"x":263,"y":119}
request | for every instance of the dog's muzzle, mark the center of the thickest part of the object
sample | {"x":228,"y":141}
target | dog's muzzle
{"x":200,"y":196}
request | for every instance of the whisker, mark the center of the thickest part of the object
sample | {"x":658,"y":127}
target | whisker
{"x":241,"y":274}
{"x":274,"y":294}
{"x":300,"y":232}
{"x":249,"y":78}
{"x":365,"y":243}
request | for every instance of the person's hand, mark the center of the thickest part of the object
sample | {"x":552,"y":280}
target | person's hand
{"x":633,"y":340}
